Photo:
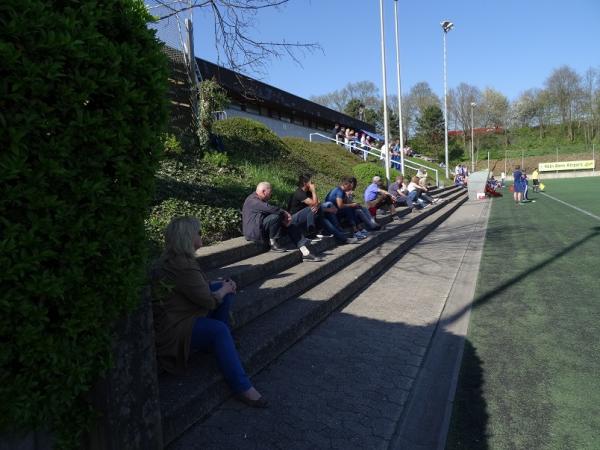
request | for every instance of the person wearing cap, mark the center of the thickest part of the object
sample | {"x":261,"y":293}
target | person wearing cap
{"x":377,"y":197}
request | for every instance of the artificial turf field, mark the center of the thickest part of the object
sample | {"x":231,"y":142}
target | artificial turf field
{"x":530,"y":376}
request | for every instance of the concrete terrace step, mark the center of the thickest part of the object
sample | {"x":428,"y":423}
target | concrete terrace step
{"x":274,"y":313}
{"x":261,"y":296}
{"x":237,"y":249}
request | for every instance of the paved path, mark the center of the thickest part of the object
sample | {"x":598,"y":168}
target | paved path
{"x":368,"y":376}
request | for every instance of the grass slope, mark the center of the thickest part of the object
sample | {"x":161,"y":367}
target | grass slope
{"x":213,"y":187}
{"x":532,"y":357}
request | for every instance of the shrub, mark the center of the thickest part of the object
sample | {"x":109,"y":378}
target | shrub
{"x":249,"y":140}
{"x":172,"y":146}
{"x":83,"y":108}
{"x":365,"y":172}
{"x":218,"y":224}
{"x":216,"y":159}
{"x":212,"y":98}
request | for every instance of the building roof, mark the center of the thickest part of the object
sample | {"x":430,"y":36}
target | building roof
{"x":250,"y":90}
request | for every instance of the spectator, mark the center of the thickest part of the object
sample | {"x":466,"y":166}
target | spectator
{"x":335,"y":132}
{"x":263,"y":223}
{"x":376,"y":197}
{"x":418,"y":193}
{"x":399,"y":193}
{"x":345,"y":210}
{"x":340,"y":136}
{"x":192,"y":314}
{"x":459,"y":180}
{"x":363,"y":215}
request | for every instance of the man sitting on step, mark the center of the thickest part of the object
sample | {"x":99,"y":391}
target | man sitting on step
{"x":264,"y":223}
{"x":399,"y":193}
{"x":376,"y":197}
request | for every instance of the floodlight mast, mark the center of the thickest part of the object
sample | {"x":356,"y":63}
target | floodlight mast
{"x":446,"y":26}
{"x":473,"y":105}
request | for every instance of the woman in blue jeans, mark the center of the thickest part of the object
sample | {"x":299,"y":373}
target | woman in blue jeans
{"x":192,"y":314}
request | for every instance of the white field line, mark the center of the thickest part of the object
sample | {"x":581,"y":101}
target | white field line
{"x":571,"y":206}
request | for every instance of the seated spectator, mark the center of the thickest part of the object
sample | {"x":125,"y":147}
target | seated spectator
{"x":340,"y":136}
{"x":376,"y":197}
{"x":345,"y":210}
{"x":459,"y":180}
{"x":192,"y":314}
{"x":418,"y":193}
{"x":264,"y":223}
{"x":422,"y":174}
{"x":363,"y":215}
{"x":399,"y":193}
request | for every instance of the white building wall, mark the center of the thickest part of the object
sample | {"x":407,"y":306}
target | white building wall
{"x":280,"y":127}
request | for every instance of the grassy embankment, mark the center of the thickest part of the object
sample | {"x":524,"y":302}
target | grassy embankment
{"x":213,"y":186}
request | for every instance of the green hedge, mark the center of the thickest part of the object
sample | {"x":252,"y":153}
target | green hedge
{"x":82,"y":106}
{"x":365,"y":172}
{"x":250,"y":141}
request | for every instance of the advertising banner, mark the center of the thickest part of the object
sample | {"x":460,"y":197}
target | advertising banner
{"x":567,"y":165}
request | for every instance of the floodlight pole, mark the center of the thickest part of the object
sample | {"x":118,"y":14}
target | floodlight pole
{"x":385,"y":112}
{"x":446,"y":26}
{"x":473,"y":104}
{"x":400,"y":129}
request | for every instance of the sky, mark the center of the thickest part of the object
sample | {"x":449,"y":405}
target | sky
{"x":509,"y":45}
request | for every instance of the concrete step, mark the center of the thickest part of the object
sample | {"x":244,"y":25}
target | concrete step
{"x":237,"y":249}
{"x":249,"y":266}
{"x":260,"y":297}
{"x":291,"y":314}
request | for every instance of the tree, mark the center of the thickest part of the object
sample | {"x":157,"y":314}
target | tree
{"x":364,"y":92}
{"x":233,"y":26}
{"x":494,"y":108}
{"x":564,"y":87}
{"x":429,"y":137}
{"x":356,"y":108}
{"x":459,"y":102}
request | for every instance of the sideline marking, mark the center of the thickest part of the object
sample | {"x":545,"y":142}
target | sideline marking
{"x":571,"y":206}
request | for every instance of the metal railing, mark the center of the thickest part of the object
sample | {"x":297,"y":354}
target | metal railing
{"x":219,"y":115}
{"x":366,"y":149}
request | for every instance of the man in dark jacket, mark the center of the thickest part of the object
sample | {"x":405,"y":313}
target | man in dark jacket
{"x":263,"y":223}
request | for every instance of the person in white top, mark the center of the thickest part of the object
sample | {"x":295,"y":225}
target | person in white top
{"x":418,"y":194}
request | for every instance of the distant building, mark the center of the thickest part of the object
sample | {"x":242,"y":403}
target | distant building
{"x":284,"y":113}
{"x":478,"y":131}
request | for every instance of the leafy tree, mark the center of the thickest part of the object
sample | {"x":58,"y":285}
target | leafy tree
{"x":429,"y":138}
{"x":564,"y":87}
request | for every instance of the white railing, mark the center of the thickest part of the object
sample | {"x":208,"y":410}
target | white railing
{"x":368,"y":150}
{"x":219,"y":115}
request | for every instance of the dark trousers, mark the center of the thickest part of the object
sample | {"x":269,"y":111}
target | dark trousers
{"x":272,"y":228}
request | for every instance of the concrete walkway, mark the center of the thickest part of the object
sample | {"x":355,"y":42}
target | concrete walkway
{"x":381,"y":372}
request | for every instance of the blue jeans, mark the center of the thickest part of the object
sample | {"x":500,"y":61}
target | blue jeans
{"x":331,"y":223}
{"x":365,"y":217}
{"x":304,"y":219}
{"x":212,"y":334}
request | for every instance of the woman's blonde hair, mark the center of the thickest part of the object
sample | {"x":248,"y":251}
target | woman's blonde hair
{"x":415,"y":179}
{"x":179,"y":237}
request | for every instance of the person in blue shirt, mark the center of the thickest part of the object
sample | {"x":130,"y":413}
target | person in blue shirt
{"x":377,"y":197}
{"x":518,"y":185}
{"x":345,"y":210}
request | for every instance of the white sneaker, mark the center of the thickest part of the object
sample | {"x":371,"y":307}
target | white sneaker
{"x":359,"y":236}
{"x":351,"y":240}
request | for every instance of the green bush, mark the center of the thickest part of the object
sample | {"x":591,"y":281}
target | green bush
{"x":218,"y":224}
{"x":82,"y":111}
{"x":216,"y":159}
{"x":251,"y":141}
{"x":365,"y":172}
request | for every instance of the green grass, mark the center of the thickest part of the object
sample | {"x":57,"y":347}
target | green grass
{"x":529,"y":378}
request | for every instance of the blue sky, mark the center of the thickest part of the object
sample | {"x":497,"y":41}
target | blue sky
{"x":510,"y":45}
